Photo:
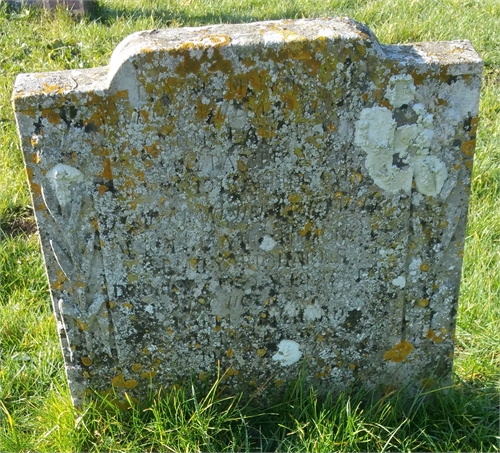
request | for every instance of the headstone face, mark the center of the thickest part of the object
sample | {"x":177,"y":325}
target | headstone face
{"x":277,"y":197}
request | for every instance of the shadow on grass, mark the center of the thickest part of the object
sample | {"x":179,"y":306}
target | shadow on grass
{"x":16,"y":221}
{"x":182,"y":17}
{"x":457,"y":418}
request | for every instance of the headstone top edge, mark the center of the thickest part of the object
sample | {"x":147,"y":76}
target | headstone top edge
{"x":444,"y":53}
{"x":46,"y":85}
{"x":458,"y":55}
{"x":267,"y":33}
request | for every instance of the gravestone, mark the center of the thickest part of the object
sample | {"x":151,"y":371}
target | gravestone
{"x":272,"y":198}
{"x":75,"y":6}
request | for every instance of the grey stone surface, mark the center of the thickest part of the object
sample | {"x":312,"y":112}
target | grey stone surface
{"x":274,"y":197}
{"x":75,"y":6}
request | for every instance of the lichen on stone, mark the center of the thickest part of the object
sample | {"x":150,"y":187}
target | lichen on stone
{"x":270,"y":198}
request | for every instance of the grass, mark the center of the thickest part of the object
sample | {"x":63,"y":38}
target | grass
{"x":35,"y":409}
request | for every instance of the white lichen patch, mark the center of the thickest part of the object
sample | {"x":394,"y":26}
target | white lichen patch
{"x":401,"y":90}
{"x":271,"y":37}
{"x":400,"y":281}
{"x":398,"y":154}
{"x":312,"y":312}
{"x":61,"y":179}
{"x":288,"y":353}
{"x":268,"y":243}
{"x":430,"y":174}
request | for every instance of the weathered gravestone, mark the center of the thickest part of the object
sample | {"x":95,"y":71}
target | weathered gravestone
{"x":276,"y":196}
{"x":75,"y":6}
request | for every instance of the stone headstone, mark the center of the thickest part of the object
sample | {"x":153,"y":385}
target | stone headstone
{"x":75,"y":6}
{"x":278,"y":198}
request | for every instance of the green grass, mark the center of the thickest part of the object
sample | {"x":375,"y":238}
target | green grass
{"x":35,"y":409}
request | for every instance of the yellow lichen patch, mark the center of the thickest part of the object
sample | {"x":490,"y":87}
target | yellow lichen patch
{"x":424,"y":267}
{"x":241,"y":166}
{"x":431,"y":335}
{"x":237,"y":88}
{"x":261,"y":352}
{"x":154,"y":150}
{"x":165,"y":129}
{"x":294,"y":198}
{"x":189,"y":66}
{"x":399,"y":352}
{"x":100,"y":151}
{"x":131,"y":383}
{"x":203,"y":110}
{"x":59,"y":283}
{"x":136,"y":367}
{"x":149,"y":374}
{"x":290,"y":100}
{"x":313,"y":66}
{"x":81,"y":325}
{"x":385,"y":103}
{"x":266,"y":132}
{"x":128,"y":305}
{"x":106,"y":172}
{"x":318,"y":232}
{"x":35,"y":158}
{"x":356,"y":178}
{"x":278,"y":382}
{"x":48,"y":88}
{"x":87,"y":361}
{"x":352,"y":366}
{"x":219,"y":40}
{"x":193,"y":262}
{"x":257,"y":79}
{"x":229,"y":352}
{"x":218,"y":328}
{"x":473,"y":126}
{"x":95,"y":224}
{"x":319,"y":338}
{"x":118,"y":381}
{"x":423,"y":303}
{"x":219,"y":118}
{"x":232,"y":372}
{"x":86,"y":374}
{"x":203,"y":376}
{"x":306,"y":229}
{"x":468,"y":147}
{"x":102,"y":189}
{"x":427,"y":383}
